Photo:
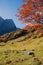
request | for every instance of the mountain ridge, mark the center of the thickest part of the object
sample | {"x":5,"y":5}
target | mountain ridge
{"x":7,"y":25}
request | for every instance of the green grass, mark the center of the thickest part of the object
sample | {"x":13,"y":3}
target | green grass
{"x":12,"y":52}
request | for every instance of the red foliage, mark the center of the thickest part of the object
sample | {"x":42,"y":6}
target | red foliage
{"x":31,"y":10}
{"x":31,"y":27}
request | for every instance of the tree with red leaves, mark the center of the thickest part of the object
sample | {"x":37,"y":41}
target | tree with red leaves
{"x":31,"y":11}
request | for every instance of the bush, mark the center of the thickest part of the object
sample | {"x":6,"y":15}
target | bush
{"x":34,"y":37}
{"x":40,"y":35}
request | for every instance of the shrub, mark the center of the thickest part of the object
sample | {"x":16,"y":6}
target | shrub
{"x":34,"y":37}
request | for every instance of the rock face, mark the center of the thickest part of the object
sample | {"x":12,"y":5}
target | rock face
{"x":6,"y":26}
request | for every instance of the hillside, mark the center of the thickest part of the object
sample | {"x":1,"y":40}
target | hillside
{"x":23,"y":47}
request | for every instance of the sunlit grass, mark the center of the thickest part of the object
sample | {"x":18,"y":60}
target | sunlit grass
{"x":16,"y":54}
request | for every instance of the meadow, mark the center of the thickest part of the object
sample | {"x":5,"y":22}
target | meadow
{"x":25,"y":50}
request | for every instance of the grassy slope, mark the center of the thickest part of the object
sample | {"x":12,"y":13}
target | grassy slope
{"x":15,"y":52}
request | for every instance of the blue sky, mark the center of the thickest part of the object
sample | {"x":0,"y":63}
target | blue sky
{"x":8,"y":9}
